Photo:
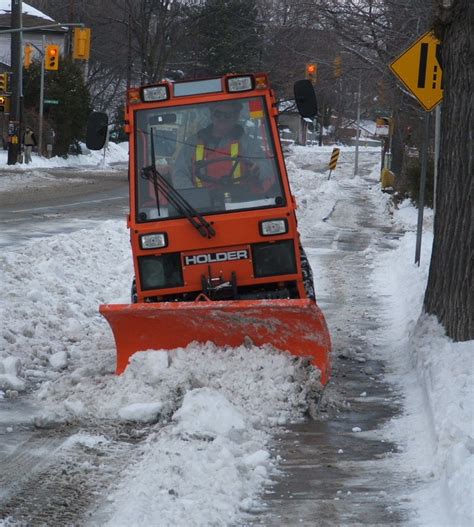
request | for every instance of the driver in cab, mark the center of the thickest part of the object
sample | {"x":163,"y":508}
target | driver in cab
{"x":219,"y":155}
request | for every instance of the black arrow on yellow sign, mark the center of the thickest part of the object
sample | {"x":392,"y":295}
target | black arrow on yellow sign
{"x":419,"y":68}
{"x":423,"y":67}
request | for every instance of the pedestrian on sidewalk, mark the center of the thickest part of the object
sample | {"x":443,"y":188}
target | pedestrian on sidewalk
{"x":29,"y":141}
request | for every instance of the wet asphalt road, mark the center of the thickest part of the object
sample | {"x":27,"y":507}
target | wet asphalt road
{"x":59,"y":201}
{"x":332,"y":473}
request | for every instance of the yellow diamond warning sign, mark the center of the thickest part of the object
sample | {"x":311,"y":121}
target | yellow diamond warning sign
{"x":419,"y":68}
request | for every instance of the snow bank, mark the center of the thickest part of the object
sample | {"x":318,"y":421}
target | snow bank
{"x":446,"y":372}
{"x":114,"y":153}
{"x":49,"y":309}
{"x":212,"y":410}
{"x":437,"y":376}
{"x":205,"y":470}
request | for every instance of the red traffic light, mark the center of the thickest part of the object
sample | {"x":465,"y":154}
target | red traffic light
{"x":52,"y":57}
{"x":4,"y":104}
{"x":312,"y":72}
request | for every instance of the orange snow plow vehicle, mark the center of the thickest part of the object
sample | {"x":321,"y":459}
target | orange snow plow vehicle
{"x":216,"y":250}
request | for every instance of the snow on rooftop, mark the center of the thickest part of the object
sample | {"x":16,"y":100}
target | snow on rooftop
{"x":367,"y":126}
{"x":5,"y":7}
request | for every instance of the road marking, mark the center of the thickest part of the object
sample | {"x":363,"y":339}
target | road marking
{"x":68,"y":204}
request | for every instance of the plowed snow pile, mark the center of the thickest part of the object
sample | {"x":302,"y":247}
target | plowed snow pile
{"x":210,"y":410}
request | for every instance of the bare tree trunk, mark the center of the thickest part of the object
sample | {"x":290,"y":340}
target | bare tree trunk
{"x":450,"y":291}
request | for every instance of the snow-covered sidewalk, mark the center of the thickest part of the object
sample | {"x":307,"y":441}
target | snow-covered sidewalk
{"x":98,"y":160}
{"x":436,"y":376}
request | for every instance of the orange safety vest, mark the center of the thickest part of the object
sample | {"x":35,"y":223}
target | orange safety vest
{"x":217,"y":169}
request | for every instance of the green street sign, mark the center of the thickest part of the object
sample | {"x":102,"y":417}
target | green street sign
{"x":51,"y":101}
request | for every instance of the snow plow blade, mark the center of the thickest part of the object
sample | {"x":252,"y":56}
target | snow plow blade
{"x":296,"y":326}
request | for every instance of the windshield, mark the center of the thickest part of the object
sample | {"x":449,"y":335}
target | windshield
{"x":219,"y":156}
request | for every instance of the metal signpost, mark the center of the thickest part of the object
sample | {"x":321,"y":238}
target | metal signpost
{"x":356,"y":156}
{"x":419,"y":68}
{"x":41,"y":111}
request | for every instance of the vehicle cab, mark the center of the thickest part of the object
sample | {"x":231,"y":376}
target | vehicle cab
{"x":210,"y":214}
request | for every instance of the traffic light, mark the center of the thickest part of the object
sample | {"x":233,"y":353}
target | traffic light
{"x":82,"y":43}
{"x":3,"y":82}
{"x":52,"y":57}
{"x":311,"y":72}
{"x":28,"y":58}
{"x":4,"y":104}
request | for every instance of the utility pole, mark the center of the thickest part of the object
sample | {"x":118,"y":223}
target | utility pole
{"x":70,"y":19}
{"x":41,"y":104}
{"x":129,"y":52}
{"x":14,"y":126}
{"x":321,"y":123}
{"x":356,"y":159}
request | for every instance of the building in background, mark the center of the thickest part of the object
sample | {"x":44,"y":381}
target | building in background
{"x":31,"y":17}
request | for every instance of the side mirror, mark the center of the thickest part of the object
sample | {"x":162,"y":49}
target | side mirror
{"x":305,"y":98}
{"x":96,"y":135}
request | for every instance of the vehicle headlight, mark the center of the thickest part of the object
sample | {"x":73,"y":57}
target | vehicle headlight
{"x":240,"y":84}
{"x":271,"y":227}
{"x":271,"y":259}
{"x":160,"y":272}
{"x":153,"y":241}
{"x":155,"y":93}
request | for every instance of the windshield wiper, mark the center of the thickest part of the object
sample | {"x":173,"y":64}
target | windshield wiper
{"x":161,"y":184}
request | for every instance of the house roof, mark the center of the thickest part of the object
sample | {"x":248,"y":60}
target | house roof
{"x":31,"y":17}
{"x":5,"y":7}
